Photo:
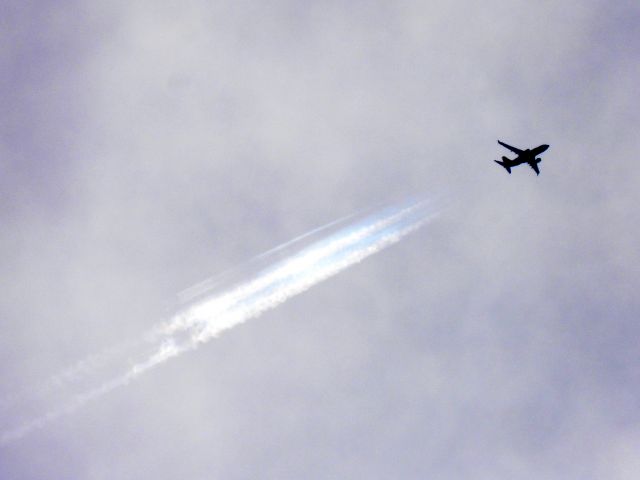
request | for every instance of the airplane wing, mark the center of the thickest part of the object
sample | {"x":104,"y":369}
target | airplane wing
{"x":534,"y":165}
{"x":513,"y":149}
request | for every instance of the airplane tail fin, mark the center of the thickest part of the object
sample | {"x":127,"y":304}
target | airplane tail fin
{"x":503,"y":163}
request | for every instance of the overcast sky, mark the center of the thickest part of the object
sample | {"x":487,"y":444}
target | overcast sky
{"x":147,"y":145}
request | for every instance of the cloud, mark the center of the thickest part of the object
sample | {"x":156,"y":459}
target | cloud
{"x":149,"y":146}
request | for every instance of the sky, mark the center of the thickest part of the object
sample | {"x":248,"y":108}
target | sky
{"x":146,"y":146}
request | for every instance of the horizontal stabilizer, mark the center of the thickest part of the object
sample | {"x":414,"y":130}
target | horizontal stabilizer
{"x":506,"y":167}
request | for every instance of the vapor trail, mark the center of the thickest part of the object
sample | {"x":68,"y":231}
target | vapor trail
{"x":96,"y":362}
{"x":213,"y":314}
{"x":102,"y":360}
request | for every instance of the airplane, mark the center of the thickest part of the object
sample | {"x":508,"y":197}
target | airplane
{"x":524,"y":156}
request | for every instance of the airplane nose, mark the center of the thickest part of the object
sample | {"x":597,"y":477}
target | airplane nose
{"x":545,"y":147}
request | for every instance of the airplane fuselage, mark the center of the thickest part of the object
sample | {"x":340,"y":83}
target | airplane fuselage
{"x":525,"y":157}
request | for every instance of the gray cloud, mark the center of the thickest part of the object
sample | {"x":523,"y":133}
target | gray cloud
{"x":147,"y":146}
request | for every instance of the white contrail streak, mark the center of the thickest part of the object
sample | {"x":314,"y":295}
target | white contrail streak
{"x":90,"y":366}
{"x":212,"y":315}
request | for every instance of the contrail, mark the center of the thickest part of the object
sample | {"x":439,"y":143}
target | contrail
{"x":208,"y":317}
{"x":77,"y":373}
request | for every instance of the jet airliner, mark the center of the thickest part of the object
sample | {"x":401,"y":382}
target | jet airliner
{"x":527,"y":156}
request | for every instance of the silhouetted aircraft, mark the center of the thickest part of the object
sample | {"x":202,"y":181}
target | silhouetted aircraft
{"x":524,"y":156}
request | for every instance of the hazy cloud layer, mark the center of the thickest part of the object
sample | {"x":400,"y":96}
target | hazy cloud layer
{"x":145,"y":146}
